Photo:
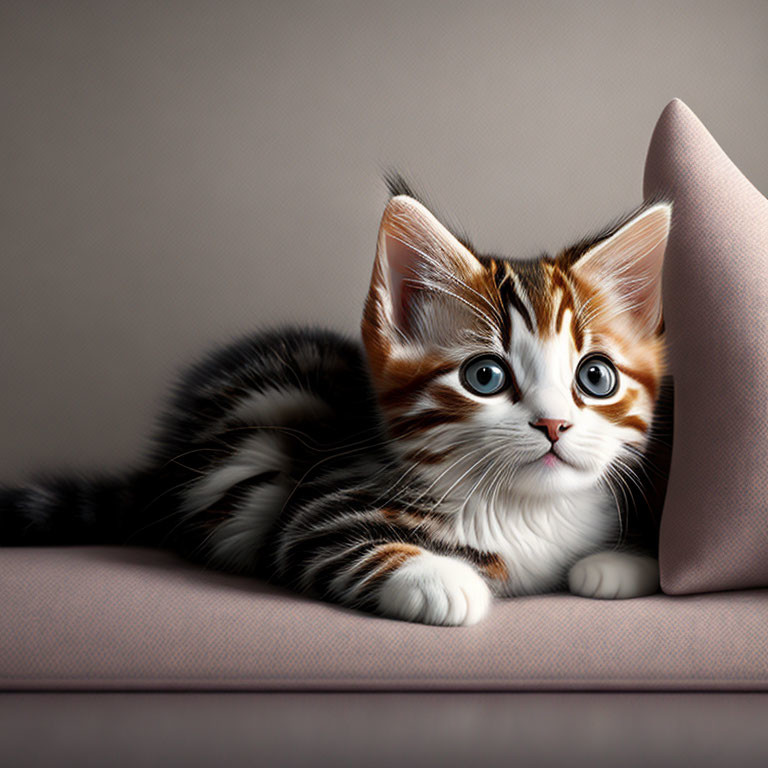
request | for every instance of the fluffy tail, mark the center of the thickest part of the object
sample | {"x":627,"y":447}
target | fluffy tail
{"x":74,"y":510}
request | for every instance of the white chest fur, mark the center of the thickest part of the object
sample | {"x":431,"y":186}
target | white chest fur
{"x":538,"y":539}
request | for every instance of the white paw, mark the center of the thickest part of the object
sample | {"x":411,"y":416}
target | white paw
{"x":434,"y":589}
{"x":610,"y":575}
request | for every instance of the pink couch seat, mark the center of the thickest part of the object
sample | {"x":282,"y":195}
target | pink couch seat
{"x":134,"y":619}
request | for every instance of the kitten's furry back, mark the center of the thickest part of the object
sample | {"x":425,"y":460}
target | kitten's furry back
{"x":293,"y":394}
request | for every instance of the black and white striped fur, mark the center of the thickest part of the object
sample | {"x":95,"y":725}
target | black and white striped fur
{"x":242,"y":428}
{"x":283,"y":456}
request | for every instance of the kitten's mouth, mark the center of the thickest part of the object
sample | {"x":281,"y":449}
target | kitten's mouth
{"x":552,"y":459}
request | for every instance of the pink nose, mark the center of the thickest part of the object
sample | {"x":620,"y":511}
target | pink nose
{"x":551,"y":427}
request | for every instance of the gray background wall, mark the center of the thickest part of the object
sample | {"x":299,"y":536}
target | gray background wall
{"x":174,"y":173}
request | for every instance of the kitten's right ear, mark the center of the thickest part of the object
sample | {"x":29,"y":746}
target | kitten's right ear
{"x":628,"y":264}
{"x":415,"y":253}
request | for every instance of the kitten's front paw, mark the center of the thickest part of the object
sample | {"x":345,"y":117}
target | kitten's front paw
{"x":433,"y":589}
{"x":611,"y":575}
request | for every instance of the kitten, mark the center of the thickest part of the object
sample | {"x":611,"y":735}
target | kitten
{"x":480,"y":446}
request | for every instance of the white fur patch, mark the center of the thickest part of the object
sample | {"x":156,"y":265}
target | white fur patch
{"x":433,"y":589}
{"x":536,"y":538}
{"x":257,"y":454}
{"x":612,"y":575}
{"x":234,"y":542}
{"x":278,"y":406}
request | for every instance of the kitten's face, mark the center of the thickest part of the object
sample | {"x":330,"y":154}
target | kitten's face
{"x":530,"y":378}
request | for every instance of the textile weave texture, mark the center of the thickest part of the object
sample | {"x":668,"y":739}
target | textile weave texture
{"x":134,"y":619}
{"x":714,"y":530}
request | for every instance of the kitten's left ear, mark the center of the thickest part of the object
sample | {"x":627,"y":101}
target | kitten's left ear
{"x":628,"y":265}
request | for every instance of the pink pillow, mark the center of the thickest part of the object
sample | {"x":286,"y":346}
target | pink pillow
{"x":714,"y":529}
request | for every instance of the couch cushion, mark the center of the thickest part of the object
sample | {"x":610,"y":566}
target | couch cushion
{"x":714,"y":530}
{"x":124,"y":619}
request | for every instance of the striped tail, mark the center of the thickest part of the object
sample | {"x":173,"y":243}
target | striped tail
{"x":67,"y":510}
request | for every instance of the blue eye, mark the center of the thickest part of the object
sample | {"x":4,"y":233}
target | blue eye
{"x":485,"y":375}
{"x":596,"y":376}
